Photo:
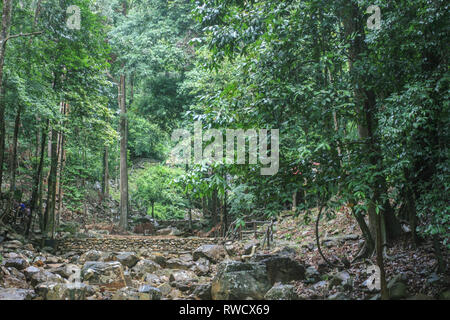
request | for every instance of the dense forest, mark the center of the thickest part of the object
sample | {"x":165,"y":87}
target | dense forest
{"x":349,"y":97}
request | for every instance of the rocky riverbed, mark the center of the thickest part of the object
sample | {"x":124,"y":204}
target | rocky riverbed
{"x":171,"y":268}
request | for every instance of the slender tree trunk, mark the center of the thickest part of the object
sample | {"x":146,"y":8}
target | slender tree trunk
{"x":37,"y":179}
{"x":380,"y":263}
{"x":369,"y":244}
{"x":153,"y":210}
{"x":49,"y":214}
{"x":225,"y":214}
{"x":366,"y":106}
{"x":123,"y":155}
{"x":13,"y":160}
{"x":4,"y":34}
{"x":60,"y":172}
{"x":105,"y":188}
{"x":2,"y":130}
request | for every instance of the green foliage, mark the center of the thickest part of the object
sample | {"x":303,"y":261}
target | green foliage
{"x":146,"y":139}
{"x":242,"y":201}
{"x":154,"y":186}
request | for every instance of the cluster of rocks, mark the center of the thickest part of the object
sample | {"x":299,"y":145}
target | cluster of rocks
{"x":117,"y":244}
{"x":143,"y":275}
{"x":212,"y":271}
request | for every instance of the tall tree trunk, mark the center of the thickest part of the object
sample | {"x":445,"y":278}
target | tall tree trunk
{"x":49,"y":214}
{"x":13,"y":160}
{"x":225,"y":215}
{"x":366,"y":106}
{"x":4,"y":34}
{"x":380,"y":262}
{"x":105,"y":183}
{"x":2,"y":130}
{"x":37,"y":179}
{"x":61,"y":160}
{"x":153,"y":210}
{"x":123,"y":155}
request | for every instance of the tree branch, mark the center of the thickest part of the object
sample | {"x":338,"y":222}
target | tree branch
{"x":23,"y":35}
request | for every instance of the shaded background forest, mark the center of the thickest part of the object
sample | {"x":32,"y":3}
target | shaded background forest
{"x":363,"y":114}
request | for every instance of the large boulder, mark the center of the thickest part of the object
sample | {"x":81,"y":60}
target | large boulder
{"x":91,"y":255}
{"x":16,"y":294}
{"x":397,"y":287}
{"x":282,"y":268}
{"x":19,"y":263}
{"x":104,"y":274}
{"x":282,"y":292}
{"x":240,"y":281}
{"x":44,"y":276}
{"x":177,"y":263}
{"x":203,"y":291}
{"x":30,"y":271}
{"x":143,"y":267}
{"x":64,"y":291}
{"x":398,"y":291}
{"x":68,"y":271}
{"x":127,"y":259}
{"x":214,"y":253}
{"x":13,"y":278}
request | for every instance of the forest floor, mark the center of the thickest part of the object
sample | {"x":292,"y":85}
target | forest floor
{"x":341,"y":238}
{"x":411,"y":272}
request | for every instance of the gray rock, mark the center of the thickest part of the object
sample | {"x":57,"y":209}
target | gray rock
{"x":16,"y":294}
{"x":68,"y":271}
{"x":91,"y":255}
{"x":201,"y":267}
{"x":176,"y":263}
{"x":312,"y":274}
{"x":128,"y":259}
{"x":143,"y":267}
{"x":182,"y":276}
{"x":165,"y":289}
{"x":203,"y":291}
{"x":152,"y":292}
{"x":239,"y":281}
{"x":282,"y":292}
{"x":341,"y":279}
{"x":320,"y":285}
{"x":45,"y":276}
{"x":214,"y":253}
{"x":282,"y":268}
{"x":159,"y":259}
{"x":63,"y":291}
{"x":18,"y":263}
{"x":30,"y":271}
{"x":152,"y":279}
{"x":104,"y":274}
{"x":126,"y":294}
